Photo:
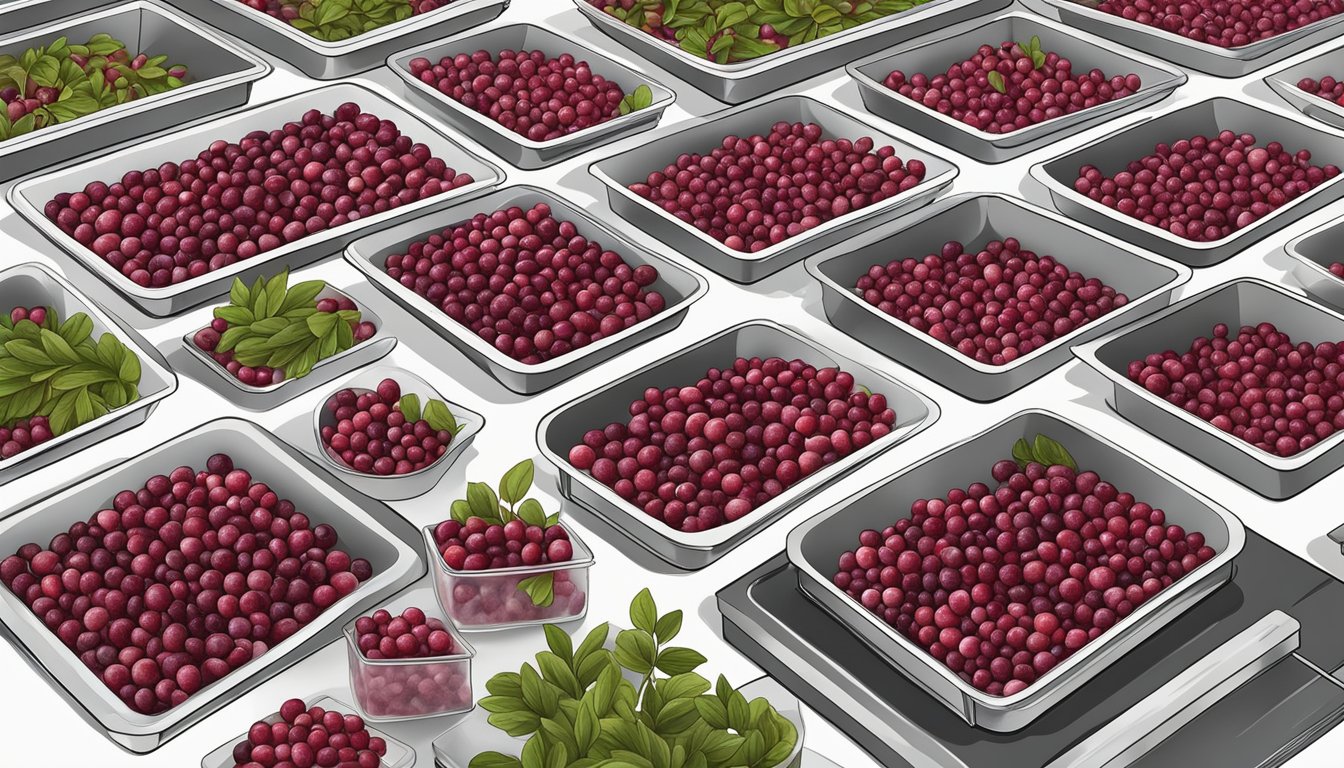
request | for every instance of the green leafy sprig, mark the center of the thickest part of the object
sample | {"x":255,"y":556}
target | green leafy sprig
{"x":434,"y":412}
{"x":636,"y":100}
{"x":1042,"y":451}
{"x":334,"y":20}
{"x":578,"y":707}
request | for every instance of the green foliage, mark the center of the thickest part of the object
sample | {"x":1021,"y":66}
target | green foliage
{"x":1043,"y":451}
{"x":278,"y":325}
{"x":636,"y":100}
{"x":335,"y":20}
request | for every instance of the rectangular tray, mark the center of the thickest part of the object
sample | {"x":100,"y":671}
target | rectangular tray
{"x":1210,"y":59}
{"x":1112,"y":153}
{"x":22,"y":14}
{"x":368,"y":528}
{"x":815,"y":546}
{"x":1312,"y":254}
{"x":32,"y":284}
{"x":220,"y":76}
{"x":563,"y":428}
{"x":704,"y":134}
{"x":744,"y":81}
{"x":331,"y":61}
{"x":515,"y":148}
{"x":30,"y":195}
{"x":933,"y":54}
{"x":975,"y":219}
{"x":1237,"y":303}
{"x":680,"y":286}
{"x":399,"y":754}
{"x":1329,"y":61}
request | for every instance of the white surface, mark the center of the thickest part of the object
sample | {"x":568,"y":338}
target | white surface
{"x":41,"y":729}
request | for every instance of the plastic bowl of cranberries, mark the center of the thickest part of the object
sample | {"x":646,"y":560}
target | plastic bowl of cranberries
{"x":408,"y":664}
{"x":689,"y":488}
{"x":176,"y":252}
{"x":855,"y":177}
{"x":575,"y":97}
{"x":299,"y":557}
{"x":607,"y":296}
{"x":385,"y":464}
{"x":1043,"y":576}
{"x":301,"y":732}
{"x":1315,"y":86}
{"x":995,"y":317}
{"x":1201,"y":182}
{"x":1074,"y":81}
{"x":1240,"y":377}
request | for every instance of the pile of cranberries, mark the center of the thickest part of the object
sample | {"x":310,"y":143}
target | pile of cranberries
{"x":1002,"y":584}
{"x":162,"y":226}
{"x":1327,"y":88}
{"x":1030,"y":94}
{"x":415,"y":688}
{"x":1337,"y":269}
{"x":497,"y":599}
{"x":700,"y":456}
{"x":1279,"y":396}
{"x":412,"y":635}
{"x":754,"y":192}
{"x":527,"y":92}
{"x":528,"y":283}
{"x":995,"y":305}
{"x":1204,"y":189}
{"x":176,"y":584}
{"x":1224,"y":23}
{"x":369,"y":432}
{"x":480,"y":545}
{"x":307,"y":736}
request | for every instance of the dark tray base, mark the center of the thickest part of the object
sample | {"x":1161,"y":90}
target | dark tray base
{"x":1262,"y":723}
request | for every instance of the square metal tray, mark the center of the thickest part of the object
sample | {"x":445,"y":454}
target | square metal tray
{"x":975,"y":219}
{"x":564,"y":427}
{"x":1113,"y":153}
{"x":816,"y":545}
{"x":1312,"y":255}
{"x":703,"y":135}
{"x":22,"y":14}
{"x":368,"y":529}
{"x":513,"y":147}
{"x":30,"y":195}
{"x":933,"y":54}
{"x":680,"y":286}
{"x":1240,"y":302}
{"x":1327,"y":62}
{"x":219,"y":76}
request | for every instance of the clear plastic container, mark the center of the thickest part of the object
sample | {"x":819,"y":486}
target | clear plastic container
{"x":494,"y":599}
{"x":409,"y":689}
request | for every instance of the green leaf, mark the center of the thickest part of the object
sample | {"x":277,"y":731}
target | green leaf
{"x":322,"y":323}
{"x":558,"y":672}
{"x":644,"y":612}
{"x":494,"y":760}
{"x":232,"y":315}
{"x":440,"y":418}
{"x":713,"y":712}
{"x":531,"y":512}
{"x":239,"y":296}
{"x":996,"y":82}
{"x":498,"y":704}
{"x":75,"y":330}
{"x":534,"y":753}
{"x":540,"y":588}
{"x":461,"y":511}
{"x":483,"y":502}
{"x":677,"y":661}
{"x":640,"y":98}
{"x":587,"y":727}
{"x":1042,"y":451}
{"x":410,"y":407}
{"x":559,"y":642}
{"x":515,"y":483}
{"x":668,"y":626}
{"x":516,"y":723}
{"x":635,"y":650}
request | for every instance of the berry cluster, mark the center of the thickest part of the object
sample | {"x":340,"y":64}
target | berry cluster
{"x":479,"y":545}
{"x":424,"y":684}
{"x":372,"y":434}
{"x":412,"y":635}
{"x":1327,"y":88}
{"x":1224,"y":23}
{"x":305,"y":736}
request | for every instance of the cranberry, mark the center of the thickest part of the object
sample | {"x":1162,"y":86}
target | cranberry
{"x":307,"y":736}
{"x":1220,"y":23}
{"x":1327,"y":88}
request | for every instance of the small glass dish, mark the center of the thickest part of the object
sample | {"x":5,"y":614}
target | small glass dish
{"x":389,"y":690}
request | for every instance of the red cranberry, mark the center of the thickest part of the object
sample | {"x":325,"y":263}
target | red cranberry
{"x":309,"y":736}
{"x":1226,"y":25}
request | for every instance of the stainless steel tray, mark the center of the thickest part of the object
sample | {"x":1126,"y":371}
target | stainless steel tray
{"x":22,"y":14}
{"x":1237,"y":303}
{"x":255,"y":398}
{"x":680,"y":286}
{"x":331,"y":61}
{"x":1312,"y":255}
{"x":1329,"y":61}
{"x":368,"y":529}
{"x":396,"y":487}
{"x":703,"y":135}
{"x":1211,"y":59}
{"x":515,"y":148}
{"x":1113,"y":153}
{"x":815,"y":546}
{"x":564,"y":427}
{"x":974,"y":219}
{"x":933,"y":54}
{"x":32,"y":284}
{"x":30,"y":195}
{"x":399,"y":754}
{"x":219,"y":77}
{"x":744,"y":81}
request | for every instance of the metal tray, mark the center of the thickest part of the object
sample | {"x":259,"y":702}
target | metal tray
{"x":933,"y":54}
{"x":399,"y":754}
{"x":220,"y":76}
{"x":256,"y":398}
{"x":515,"y":148}
{"x":680,"y":286}
{"x":412,"y":484}
{"x":22,"y":14}
{"x":975,"y":219}
{"x":1113,"y":153}
{"x":30,"y":195}
{"x":1312,"y":255}
{"x":1211,"y":59}
{"x":563,"y":427}
{"x":32,"y":284}
{"x":368,"y":529}
{"x":744,"y":81}
{"x":1329,"y":61}
{"x":1237,"y":303}
{"x":331,"y":61}
{"x":704,"y":134}
{"x":815,"y":545}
